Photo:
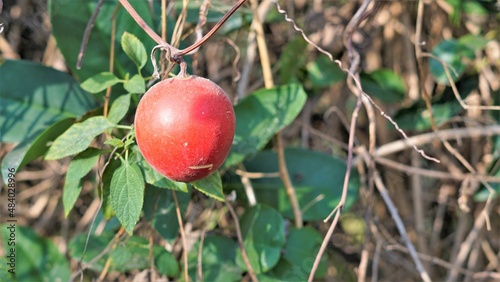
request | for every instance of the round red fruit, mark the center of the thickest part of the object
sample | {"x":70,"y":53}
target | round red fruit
{"x":184,"y":127}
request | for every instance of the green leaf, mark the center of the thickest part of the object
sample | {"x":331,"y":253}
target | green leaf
{"x":38,"y":258}
{"x":32,"y":148}
{"x":316,"y":177}
{"x":453,"y":54}
{"x":69,"y":20}
{"x":218,"y":260}
{"x":263,"y":231}
{"x":211,"y":186}
{"x":290,"y":63}
{"x":134,"y":49}
{"x":119,"y":108}
{"x":7,"y":273}
{"x":159,"y":209}
{"x":33,"y":97}
{"x":135,"y":85}
{"x":107,"y":177}
{"x":90,"y":249}
{"x":78,"y":137}
{"x":134,"y":254}
{"x":129,"y":255}
{"x":100,"y":82}
{"x":260,"y":116}
{"x":417,"y":117}
{"x":299,"y":254}
{"x":127,"y":194}
{"x":324,"y":73}
{"x":114,"y":142}
{"x":473,"y":42}
{"x":384,"y":85}
{"x":80,"y":166}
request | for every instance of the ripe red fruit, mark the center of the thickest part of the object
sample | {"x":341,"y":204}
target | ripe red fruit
{"x":184,"y":127}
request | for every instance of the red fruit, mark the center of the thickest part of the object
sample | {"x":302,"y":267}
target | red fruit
{"x":185,"y":127}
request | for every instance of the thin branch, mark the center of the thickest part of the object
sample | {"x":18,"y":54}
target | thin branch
{"x":261,"y":44}
{"x":418,"y":140}
{"x":183,"y":236}
{"x":410,"y":170}
{"x":133,"y":13}
{"x":217,"y":26}
{"x":467,"y":244}
{"x":111,"y":60}
{"x":285,"y":177}
{"x":454,"y":87}
{"x":244,"y":254}
{"x":256,"y":175}
{"x":269,"y":83}
{"x":288,"y":19}
{"x":397,"y":219}
{"x":86,"y":34}
{"x":419,"y":54}
{"x":323,"y":246}
{"x":247,"y":184}
{"x":431,"y":259}
{"x":354,"y":58}
{"x":199,"y":272}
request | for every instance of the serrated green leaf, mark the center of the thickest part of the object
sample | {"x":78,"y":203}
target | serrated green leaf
{"x":78,"y":137}
{"x":135,"y":85}
{"x":114,"y":142}
{"x":260,"y":116}
{"x":33,"y":97}
{"x":77,"y":169}
{"x":263,"y":231}
{"x":32,"y":148}
{"x":134,"y":49}
{"x":211,"y":186}
{"x":100,"y":82}
{"x":127,"y":194}
{"x":119,"y":108}
{"x":38,"y":258}
{"x":107,"y":176}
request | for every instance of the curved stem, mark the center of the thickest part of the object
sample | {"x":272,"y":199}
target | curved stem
{"x":211,"y":32}
{"x":133,"y":13}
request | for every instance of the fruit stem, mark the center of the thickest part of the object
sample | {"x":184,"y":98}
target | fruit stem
{"x":183,"y":74}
